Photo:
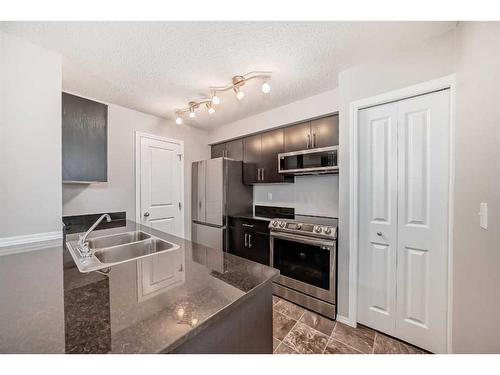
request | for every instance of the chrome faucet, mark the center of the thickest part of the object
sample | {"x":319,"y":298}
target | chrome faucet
{"x":83,"y":246}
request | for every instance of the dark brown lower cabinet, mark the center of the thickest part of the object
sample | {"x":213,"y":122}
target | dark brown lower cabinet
{"x":249,"y":239}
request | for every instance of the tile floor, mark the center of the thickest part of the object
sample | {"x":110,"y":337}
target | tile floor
{"x":300,"y":331}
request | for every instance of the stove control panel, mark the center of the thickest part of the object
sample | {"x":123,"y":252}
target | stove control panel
{"x":324,"y":231}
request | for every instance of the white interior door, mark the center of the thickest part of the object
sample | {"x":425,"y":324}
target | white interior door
{"x":378,"y":145}
{"x":423,"y":173}
{"x":160,"y":174}
{"x":403,"y":219}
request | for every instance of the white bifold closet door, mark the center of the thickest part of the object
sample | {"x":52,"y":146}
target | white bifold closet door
{"x":403,"y":219}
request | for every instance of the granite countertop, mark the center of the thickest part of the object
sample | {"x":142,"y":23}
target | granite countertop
{"x":148,"y":305}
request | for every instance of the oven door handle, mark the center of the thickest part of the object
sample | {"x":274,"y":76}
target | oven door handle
{"x":303,"y":239}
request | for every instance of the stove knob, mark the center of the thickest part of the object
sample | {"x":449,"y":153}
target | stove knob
{"x":299,"y":226}
{"x":282,"y":224}
{"x":275,"y":223}
{"x":327,"y":230}
{"x":317,"y":229}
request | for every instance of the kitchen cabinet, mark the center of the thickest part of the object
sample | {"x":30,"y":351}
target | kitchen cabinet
{"x":252,"y":148}
{"x":218,"y":151}
{"x":323,"y":132}
{"x":231,"y":149}
{"x":84,"y":140}
{"x":249,"y":239}
{"x":298,"y":137}
{"x":260,"y":158}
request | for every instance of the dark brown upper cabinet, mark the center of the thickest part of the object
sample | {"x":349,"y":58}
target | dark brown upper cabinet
{"x":232,"y":150}
{"x":252,"y":148}
{"x":218,"y":151}
{"x":323,"y":132}
{"x":298,"y":137}
{"x":260,"y":158}
{"x":84,"y":140}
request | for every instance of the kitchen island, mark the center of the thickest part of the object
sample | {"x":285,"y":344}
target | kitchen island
{"x":193,"y":299}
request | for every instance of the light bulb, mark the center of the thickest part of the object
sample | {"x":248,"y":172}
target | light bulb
{"x":178,"y":121}
{"x":215,"y":100}
{"x":211,"y":110}
{"x":191,"y":113}
{"x":266,"y":88}
{"x":239,"y":94}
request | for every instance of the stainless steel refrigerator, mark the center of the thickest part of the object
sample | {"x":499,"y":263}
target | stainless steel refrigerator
{"x":217,"y":192}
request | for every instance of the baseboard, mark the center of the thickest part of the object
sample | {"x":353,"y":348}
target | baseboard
{"x":345,"y":320}
{"x":29,"y":242}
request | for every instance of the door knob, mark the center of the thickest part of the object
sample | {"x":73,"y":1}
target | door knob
{"x":146,"y":214}
{"x":379,"y":233}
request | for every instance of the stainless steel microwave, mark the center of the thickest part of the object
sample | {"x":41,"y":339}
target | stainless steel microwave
{"x":310,"y":161}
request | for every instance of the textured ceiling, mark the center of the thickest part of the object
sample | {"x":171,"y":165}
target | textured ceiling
{"x":156,"y":67}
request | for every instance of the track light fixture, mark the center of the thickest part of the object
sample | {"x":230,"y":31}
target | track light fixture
{"x":235,"y":85}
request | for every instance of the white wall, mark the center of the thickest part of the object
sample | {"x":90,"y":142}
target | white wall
{"x":118,"y":194}
{"x":432,"y":59}
{"x":476,"y":258}
{"x":309,"y":195}
{"x":30,"y":138}
{"x":313,"y":106}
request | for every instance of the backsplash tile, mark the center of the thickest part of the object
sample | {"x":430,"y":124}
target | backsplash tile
{"x":309,"y":195}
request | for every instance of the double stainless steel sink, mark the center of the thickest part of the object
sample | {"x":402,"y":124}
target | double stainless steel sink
{"x":107,"y":251}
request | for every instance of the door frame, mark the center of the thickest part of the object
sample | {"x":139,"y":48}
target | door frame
{"x":138,"y":136}
{"x":446,"y":82}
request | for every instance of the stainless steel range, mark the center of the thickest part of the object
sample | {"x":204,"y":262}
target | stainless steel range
{"x":305,"y":251}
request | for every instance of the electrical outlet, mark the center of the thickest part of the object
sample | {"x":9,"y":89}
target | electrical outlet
{"x":269,"y":196}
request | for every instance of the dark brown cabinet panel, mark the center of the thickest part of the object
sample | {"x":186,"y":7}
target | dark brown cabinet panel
{"x":84,"y":140}
{"x":249,"y":241}
{"x":218,"y":150}
{"x":234,"y":149}
{"x":252,"y":149}
{"x":272,"y":145}
{"x":298,"y":137}
{"x":325,"y":132}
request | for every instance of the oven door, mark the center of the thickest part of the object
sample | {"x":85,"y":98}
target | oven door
{"x":306,"y":264}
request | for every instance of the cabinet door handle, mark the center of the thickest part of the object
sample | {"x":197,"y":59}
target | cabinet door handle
{"x":247,"y":225}
{"x":308,"y":140}
{"x":249,"y":241}
{"x":258,"y":174}
{"x":314,"y":140}
{"x":262,"y":174}
{"x":246,"y":240}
